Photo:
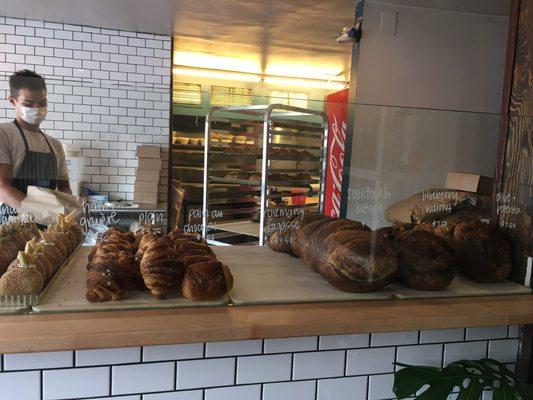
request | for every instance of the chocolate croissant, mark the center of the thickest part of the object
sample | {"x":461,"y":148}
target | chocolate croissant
{"x":161,"y":270}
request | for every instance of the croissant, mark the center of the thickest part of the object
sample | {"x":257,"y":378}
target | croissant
{"x":59,"y":243}
{"x":161,"y":270}
{"x":69,"y":222}
{"x":109,"y":277}
{"x":177,"y":234}
{"x":8,"y":252}
{"x":24,"y":279}
{"x":187,"y":246}
{"x":206,"y":281}
{"x":196,"y":258}
{"x":51,"y":252}
{"x":146,"y":240}
{"x":42,"y":264}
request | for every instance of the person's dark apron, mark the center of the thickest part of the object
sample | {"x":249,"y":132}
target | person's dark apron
{"x":37,"y":169}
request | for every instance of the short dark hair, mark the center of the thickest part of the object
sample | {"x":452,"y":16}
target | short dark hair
{"x":25,"y":79}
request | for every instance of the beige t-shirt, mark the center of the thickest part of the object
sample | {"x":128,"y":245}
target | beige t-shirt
{"x":13,"y":151}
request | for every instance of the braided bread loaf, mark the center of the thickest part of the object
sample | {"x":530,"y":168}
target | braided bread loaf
{"x":346,"y":253}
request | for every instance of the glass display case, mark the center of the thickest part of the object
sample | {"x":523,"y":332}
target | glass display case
{"x":393,"y":203}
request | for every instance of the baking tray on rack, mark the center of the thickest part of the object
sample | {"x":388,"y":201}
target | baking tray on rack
{"x":263,"y":276}
{"x":67,"y":293}
{"x":244,"y":182}
{"x":462,"y":287}
{"x":20,"y":302}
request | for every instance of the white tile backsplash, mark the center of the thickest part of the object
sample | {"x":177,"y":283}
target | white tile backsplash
{"x":330,"y":342}
{"x":484,"y":333}
{"x":464,"y":351}
{"x":442,"y":335}
{"x":233,"y":348}
{"x":324,"y":364}
{"x":54,"y":359}
{"x":75,"y":383}
{"x":291,"y":345}
{"x":304,"y":390}
{"x":185,"y":395}
{"x":173,"y":352}
{"x":206,"y":373}
{"x":65,"y":54}
{"x":370,"y":361}
{"x":108,"y":356}
{"x":342,"y":388}
{"x":504,"y":351}
{"x":268,"y":368}
{"x":380,"y":387}
{"x":130,"y":379}
{"x":20,"y":385}
{"x":429,"y":355}
{"x":181,"y":372}
{"x":393,"y":338}
{"x":247,"y":392}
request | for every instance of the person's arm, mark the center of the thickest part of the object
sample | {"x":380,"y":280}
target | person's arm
{"x":63,"y":183}
{"x":64,"y":186}
{"x":8,"y":194}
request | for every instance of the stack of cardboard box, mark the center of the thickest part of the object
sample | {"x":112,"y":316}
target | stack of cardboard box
{"x":147,"y":178}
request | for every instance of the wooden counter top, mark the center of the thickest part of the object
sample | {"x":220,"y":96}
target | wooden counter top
{"x":48,"y":332}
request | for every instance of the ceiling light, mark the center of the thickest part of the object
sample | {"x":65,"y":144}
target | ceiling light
{"x":309,"y":83}
{"x":217,"y":74}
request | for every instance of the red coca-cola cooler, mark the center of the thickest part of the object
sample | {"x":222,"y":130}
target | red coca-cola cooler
{"x":337,"y":111}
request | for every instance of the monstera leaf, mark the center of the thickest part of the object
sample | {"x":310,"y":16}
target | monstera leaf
{"x":467,"y":378}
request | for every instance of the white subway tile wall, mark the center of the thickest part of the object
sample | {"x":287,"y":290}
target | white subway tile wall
{"x":244,"y":370}
{"x":108,"y":92}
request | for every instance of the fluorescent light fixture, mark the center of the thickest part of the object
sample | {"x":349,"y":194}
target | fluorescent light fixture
{"x":239,"y":76}
{"x":208,"y":61}
{"x":217,"y":74}
{"x":309,"y":83}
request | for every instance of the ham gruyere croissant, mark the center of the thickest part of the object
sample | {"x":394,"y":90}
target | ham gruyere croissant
{"x":23,"y":279}
{"x":160,"y":268}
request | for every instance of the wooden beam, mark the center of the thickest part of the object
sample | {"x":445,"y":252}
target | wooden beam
{"x":49,"y":332}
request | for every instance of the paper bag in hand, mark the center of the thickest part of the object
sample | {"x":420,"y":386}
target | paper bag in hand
{"x":45,"y":204}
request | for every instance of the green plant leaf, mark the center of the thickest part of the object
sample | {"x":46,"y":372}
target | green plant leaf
{"x":469,"y":376}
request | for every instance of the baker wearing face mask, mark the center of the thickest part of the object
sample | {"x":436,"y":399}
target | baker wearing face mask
{"x":28,"y":157}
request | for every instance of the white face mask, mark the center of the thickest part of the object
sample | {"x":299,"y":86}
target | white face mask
{"x":33,"y":116}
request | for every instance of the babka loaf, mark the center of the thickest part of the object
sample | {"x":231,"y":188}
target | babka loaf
{"x":346,"y":253}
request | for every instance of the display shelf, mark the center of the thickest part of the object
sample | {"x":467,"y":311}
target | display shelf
{"x":275,"y":128}
{"x":67,"y":293}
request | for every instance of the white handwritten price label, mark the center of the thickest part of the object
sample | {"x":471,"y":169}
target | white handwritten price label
{"x":97,"y":214}
{"x":151,"y":217}
{"x":506,"y":205}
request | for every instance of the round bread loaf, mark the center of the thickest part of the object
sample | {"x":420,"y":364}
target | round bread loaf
{"x":483,"y":252}
{"x":425,"y":261}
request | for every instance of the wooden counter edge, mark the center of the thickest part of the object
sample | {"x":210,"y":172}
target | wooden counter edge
{"x":73,"y":331}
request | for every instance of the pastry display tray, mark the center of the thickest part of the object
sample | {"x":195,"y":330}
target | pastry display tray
{"x":67,"y":293}
{"x":462,"y":287}
{"x":14,"y":303}
{"x":263,"y":276}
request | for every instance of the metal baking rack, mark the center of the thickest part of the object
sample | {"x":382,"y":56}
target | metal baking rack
{"x":263,"y":141}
